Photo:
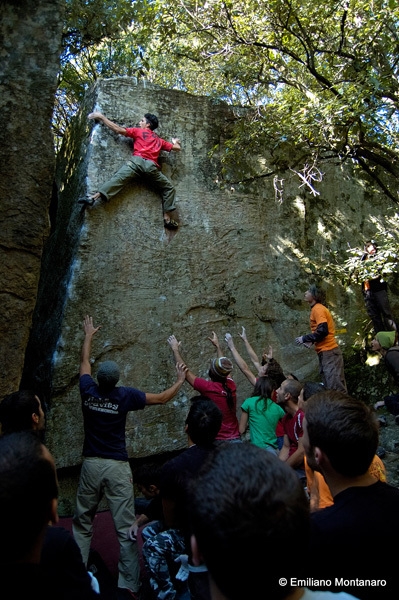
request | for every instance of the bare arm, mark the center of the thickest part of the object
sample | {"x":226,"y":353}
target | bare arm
{"x":283,"y":454}
{"x":166,"y":395}
{"x":242,"y":365}
{"x":110,"y":124}
{"x":267,"y":357}
{"x":296,"y":459}
{"x":215,"y":341}
{"x":175,"y":345}
{"x":137,"y":523}
{"x":90,"y":331}
{"x":251,"y":352}
{"x":242,"y":427}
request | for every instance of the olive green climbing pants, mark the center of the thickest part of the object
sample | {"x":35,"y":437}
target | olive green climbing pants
{"x":140,"y":168}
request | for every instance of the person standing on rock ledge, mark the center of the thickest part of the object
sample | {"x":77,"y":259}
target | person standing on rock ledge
{"x":142,"y":165}
{"x":322,"y":336}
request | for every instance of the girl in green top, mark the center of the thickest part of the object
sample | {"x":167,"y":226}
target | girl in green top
{"x":261,"y":414}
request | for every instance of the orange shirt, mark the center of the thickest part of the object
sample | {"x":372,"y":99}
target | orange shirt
{"x":319,"y":492}
{"x":321,"y":314}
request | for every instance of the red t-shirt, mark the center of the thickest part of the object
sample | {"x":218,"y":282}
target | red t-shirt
{"x":147,"y":143}
{"x":215,"y":391}
{"x":279,"y":427}
{"x":293,"y":428}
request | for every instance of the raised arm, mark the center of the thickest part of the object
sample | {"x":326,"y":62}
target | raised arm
{"x":90,"y":331}
{"x":110,"y":124}
{"x":175,"y":345}
{"x":251,"y":352}
{"x":267,"y":357}
{"x":242,"y":365}
{"x":166,"y":395}
{"x":215,"y":341}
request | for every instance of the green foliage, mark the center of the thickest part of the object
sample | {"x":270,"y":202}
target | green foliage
{"x":101,"y":38}
{"x":89,"y":22}
{"x":366,"y":382}
{"x":318,"y":81}
{"x":358,"y":267}
{"x":320,"y":78}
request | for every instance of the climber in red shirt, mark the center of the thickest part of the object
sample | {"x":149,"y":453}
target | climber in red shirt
{"x":143,"y":163}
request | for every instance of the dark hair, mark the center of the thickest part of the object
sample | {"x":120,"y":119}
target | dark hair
{"x":16,"y":411}
{"x":293,"y":387}
{"x":148,"y":474}
{"x":152,"y":120}
{"x":370,"y":243}
{"x":317,"y":293}
{"x":277,"y":379}
{"x":345,"y":429}
{"x":312,"y":387}
{"x":246,"y":502}
{"x":263,"y":388}
{"x":222,"y":379}
{"x":203,"y":421}
{"x":28,"y":484}
{"x":274,"y":371}
{"x":108,"y":375}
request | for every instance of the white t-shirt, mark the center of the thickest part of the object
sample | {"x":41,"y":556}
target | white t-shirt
{"x":315,"y":595}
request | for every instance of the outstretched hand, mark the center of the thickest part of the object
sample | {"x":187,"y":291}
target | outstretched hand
{"x":300,"y":342}
{"x":88,"y":326}
{"x":243,"y":335}
{"x":268,"y":355}
{"x":94,"y":115}
{"x":229,"y":340}
{"x":181,"y":371}
{"x":173,"y":343}
{"x":214,"y":339}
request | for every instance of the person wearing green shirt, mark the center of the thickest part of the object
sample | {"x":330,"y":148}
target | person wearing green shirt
{"x":261,"y":414}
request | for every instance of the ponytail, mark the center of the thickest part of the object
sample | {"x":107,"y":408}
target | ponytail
{"x":229,"y":394}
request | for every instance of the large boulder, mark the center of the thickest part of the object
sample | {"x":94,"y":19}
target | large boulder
{"x":30,"y":35}
{"x":241,"y":257}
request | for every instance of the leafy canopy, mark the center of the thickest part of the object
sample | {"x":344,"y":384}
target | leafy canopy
{"x":317,"y":80}
{"x":101,"y":38}
{"x":320,"y":80}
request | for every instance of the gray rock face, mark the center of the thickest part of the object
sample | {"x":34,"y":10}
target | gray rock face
{"x":240,"y":258}
{"x":30,"y":33}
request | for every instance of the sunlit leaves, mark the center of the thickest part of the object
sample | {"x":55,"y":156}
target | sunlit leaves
{"x":357,"y":267}
{"x":328,"y":71}
{"x":319,"y":79}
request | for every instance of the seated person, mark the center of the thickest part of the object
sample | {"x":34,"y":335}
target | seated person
{"x":147,"y":478}
{"x":161,"y":551}
{"x":28,"y":503}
